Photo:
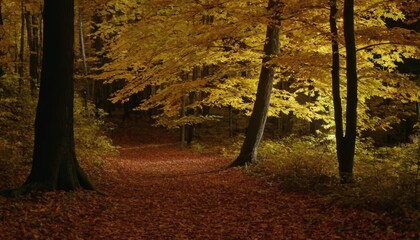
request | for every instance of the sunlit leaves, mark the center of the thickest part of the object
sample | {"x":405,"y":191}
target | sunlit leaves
{"x":151,"y":43}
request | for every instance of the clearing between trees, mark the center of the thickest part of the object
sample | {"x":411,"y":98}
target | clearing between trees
{"x":157,"y":190}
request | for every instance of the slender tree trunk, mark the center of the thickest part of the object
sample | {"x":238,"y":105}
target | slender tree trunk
{"x":335,"y":72}
{"x":183,"y":103}
{"x":191,"y":111}
{"x":22,"y":48}
{"x":83,"y":51}
{"x":32,"y":32}
{"x":258,"y":118}
{"x":205,"y":71}
{"x":345,"y":141}
{"x":230,"y":109}
{"x":54,"y":160}
{"x":347,"y":159}
{"x":2,"y":52}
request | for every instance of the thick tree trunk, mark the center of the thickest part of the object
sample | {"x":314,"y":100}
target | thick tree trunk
{"x":258,"y":118}
{"x":54,"y":161}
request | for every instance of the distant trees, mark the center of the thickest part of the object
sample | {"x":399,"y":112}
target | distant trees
{"x":33,"y":33}
{"x":227,"y":52}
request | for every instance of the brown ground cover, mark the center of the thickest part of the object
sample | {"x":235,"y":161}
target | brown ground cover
{"x":156,"y":190}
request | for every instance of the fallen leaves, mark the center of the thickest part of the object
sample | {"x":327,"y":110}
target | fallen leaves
{"x":159,"y":191}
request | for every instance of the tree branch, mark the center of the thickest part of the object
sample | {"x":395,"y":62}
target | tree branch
{"x":377,"y":44}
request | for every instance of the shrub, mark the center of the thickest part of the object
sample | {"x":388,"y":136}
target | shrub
{"x":90,"y":138}
{"x":298,"y":163}
{"x":17,"y":115}
{"x":387,"y":177}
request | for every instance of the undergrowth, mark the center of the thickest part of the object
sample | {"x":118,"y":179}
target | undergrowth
{"x":386,"y":179}
{"x":17,"y":115}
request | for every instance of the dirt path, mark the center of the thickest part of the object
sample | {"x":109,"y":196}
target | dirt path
{"x":158,"y":191}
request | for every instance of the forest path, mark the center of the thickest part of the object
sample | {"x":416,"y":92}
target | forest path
{"x":161,"y":191}
{"x":157,"y":190}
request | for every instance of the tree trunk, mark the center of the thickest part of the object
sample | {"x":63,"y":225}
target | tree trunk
{"x":191,"y":111}
{"x":345,"y":141}
{"x":22,"y":48}
{"x":230,"y":109}
{"x":258,"y":118}
{"x":182,"y":133}
{"x":32,"y":31}
{"x":335,"y":74}
{"x":2,"y":52}
{"x":346,"y":160}
{"x":54,"y":160}
{"x":83,"y":52}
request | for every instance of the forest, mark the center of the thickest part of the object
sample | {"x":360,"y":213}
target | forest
{"x":209,"y":119}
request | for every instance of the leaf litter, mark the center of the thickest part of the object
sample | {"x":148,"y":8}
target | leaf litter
{"x":157,"y":190}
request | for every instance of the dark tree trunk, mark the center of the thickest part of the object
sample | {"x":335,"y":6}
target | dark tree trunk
{"x":182,"y":133}
{"x":205,"y":71}
{"x":230,"y":109}
{"x":54,"y":161}
{"x":2,"y":53}
{"x":191,"y":111}
{"x":346,"y":160}
{"x":335,"y":72}
{"x":22,"y":48}
{"x":345,"y":141}
{"x":258,"y":118}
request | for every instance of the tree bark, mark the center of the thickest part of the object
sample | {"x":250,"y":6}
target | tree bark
{"x":345,"y":141}
{"x":258,"y":118}
{"x":347,"y":158}
{"x":55,"y":166}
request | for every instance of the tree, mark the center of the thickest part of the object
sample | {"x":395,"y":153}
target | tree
{"x":33,"y":38}
{"x":259,"y":114}
{"x":345,"y":141}
{"x":1,"y":36}
{"x":55,"y":165}
{"x":231,"y":46}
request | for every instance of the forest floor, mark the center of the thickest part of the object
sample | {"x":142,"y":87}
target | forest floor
{"x":157,"y":190}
